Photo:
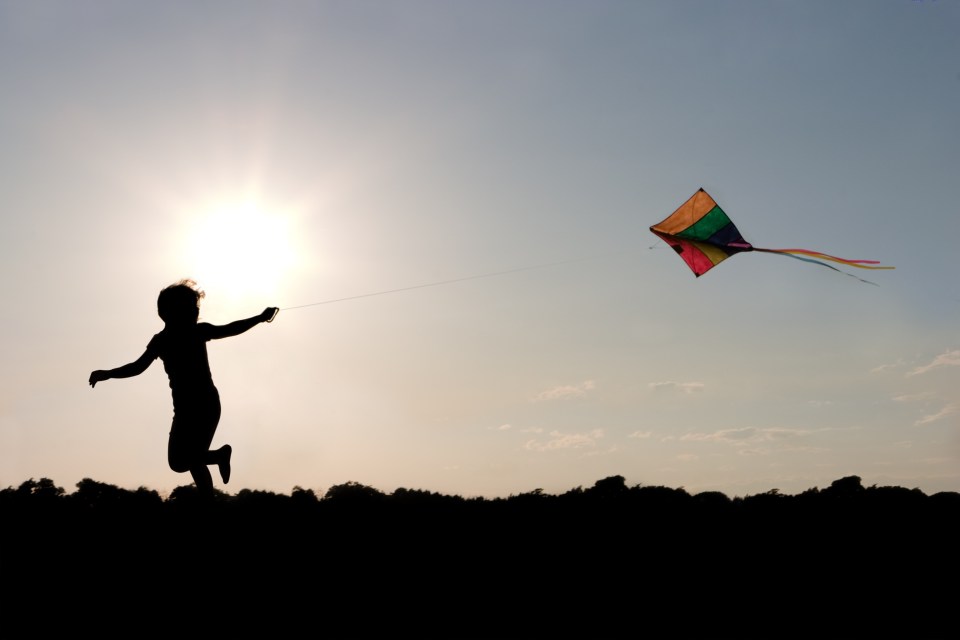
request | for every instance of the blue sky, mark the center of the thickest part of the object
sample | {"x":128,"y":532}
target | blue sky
{"x":294,"y":152}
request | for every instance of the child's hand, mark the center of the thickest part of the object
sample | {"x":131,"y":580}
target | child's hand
{"x":269,"y":314}
{"x":98,"y":376}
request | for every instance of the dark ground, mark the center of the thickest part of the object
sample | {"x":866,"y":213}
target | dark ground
{"x":846,"y":561}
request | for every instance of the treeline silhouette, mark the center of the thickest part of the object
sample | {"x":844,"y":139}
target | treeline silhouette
{"x":610,"y":560}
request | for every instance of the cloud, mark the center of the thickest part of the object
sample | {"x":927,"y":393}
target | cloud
{"x":605,"y":452}
{"x":743,"y":435}
{"x":640,"y":434}
{"x":763,"y":451}
{"x":560,"y":440}
{"x":943,"y":413}
{"x":566,"y":391}
{"x":685,"y":387}
{"x":883,"y":367}
{"x":946,"y":359}
{"x":503,"y":427}
{"x":913,"y":397}
{"x":688,"y":457}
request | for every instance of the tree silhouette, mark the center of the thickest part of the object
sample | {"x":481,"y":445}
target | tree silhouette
{"x":42,"y":489}
{"x":354,"y":493}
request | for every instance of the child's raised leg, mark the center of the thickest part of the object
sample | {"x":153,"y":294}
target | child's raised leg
{"x":221,"y":458}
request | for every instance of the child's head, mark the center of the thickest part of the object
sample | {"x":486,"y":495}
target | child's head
{"x":180,"y":303}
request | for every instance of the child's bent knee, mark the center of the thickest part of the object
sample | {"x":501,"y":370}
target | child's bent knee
{"x":180,"y":468}
{"x":179,"y":463}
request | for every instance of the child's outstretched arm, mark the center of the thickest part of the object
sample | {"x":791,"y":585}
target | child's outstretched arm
{"x":239,"y":326}
{"x":135,"y":368}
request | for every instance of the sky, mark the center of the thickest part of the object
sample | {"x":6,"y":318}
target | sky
{"x":291,"y":153}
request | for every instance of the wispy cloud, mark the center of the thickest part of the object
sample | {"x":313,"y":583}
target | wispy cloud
{"x":605,"y":452}
{"x":559,"y":440}
{"x":885,"y":367}
{"x":745,"y":435}
{"x":946,"y":359}
{"x":509,"y":427}
{"x":566,"y":391}
{"x":640,"y":434}
{"x":763,"y":451}
{"x":669,"y":385}
{"x":913,"y":397}
{"x":943,"y":413}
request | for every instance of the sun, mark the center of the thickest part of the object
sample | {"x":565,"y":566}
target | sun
{"x":241,"y":250}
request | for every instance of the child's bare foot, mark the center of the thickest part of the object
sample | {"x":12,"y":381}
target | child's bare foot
{"x":224,"y":464}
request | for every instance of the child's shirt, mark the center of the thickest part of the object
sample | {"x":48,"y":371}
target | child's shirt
{"x":183,"y":351}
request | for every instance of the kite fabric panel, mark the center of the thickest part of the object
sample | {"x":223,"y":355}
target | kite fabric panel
{"x":704,"y":236}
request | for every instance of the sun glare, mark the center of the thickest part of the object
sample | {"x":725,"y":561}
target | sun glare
{"x":241,"y":250}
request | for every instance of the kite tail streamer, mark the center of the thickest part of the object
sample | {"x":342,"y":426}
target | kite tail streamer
{"x":786,"y":254}
{"x":816,"y":256}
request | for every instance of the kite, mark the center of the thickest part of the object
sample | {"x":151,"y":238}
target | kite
{"x":704,"y":236}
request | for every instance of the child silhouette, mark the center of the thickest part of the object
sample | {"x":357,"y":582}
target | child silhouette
{"x":182,"y":346}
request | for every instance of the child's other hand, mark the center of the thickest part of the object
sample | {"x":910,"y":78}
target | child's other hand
{"x":269,"y":314}
{"x":97,"y":376}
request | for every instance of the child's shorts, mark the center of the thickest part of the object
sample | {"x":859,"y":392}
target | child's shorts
{"x":195,"y":421}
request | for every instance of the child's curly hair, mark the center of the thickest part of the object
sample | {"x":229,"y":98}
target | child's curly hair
{"x":180,"y":302}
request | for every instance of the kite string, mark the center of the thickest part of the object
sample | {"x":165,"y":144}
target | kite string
{"x":442,"y":282}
